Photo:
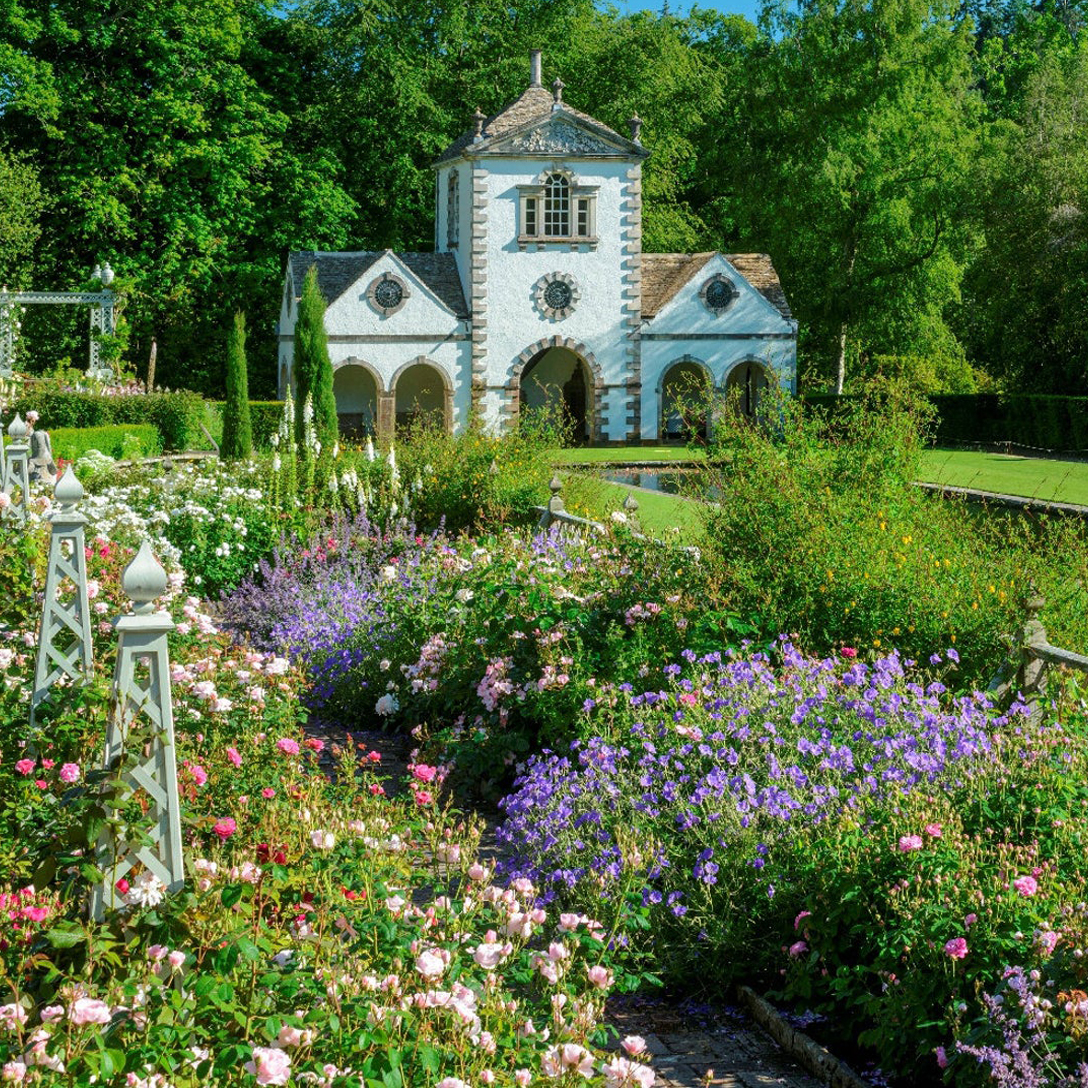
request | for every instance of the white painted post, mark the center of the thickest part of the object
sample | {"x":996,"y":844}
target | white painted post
{"x":16,"y":471}
{"x":64,"y":638}
{"x":141,"y":697}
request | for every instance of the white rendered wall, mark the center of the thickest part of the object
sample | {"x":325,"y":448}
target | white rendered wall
{"x":422,"y":328}
{"x":514,"y":322}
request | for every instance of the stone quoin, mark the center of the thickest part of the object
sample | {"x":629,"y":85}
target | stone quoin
{"x":538,"y":294}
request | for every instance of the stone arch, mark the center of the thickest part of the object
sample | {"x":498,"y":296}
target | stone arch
{"x":685,"y":394}
{"x":594,"y":414}
{"x":744,"y":383}
{"x":427,"y":393}
{"x":358,"y":389}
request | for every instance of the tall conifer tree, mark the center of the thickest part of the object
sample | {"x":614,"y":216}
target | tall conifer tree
{"x":237,"y":428}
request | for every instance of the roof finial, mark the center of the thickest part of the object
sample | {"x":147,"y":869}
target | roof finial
{"x":635,"y":125}
{"x":534,"y":67}
{"x":557,"y":90}
{"x":479,"y":118}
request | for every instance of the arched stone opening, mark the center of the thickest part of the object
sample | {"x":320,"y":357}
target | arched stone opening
{"x":422,"y":397}
{"x":686,"y":397}
{"x":745,"y":387}
{"x":560,"y":383}
{"x":356,"y":390}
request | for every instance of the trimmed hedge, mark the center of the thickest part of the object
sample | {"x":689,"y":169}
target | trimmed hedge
{"x":1044,"y":421}
{"x":176,"y":416}
{"x":118,"y":441}
{"x":264,"y":417}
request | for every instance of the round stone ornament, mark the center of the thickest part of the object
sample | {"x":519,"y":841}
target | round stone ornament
{"x":719,"y":293}
{"x":556,"y":295}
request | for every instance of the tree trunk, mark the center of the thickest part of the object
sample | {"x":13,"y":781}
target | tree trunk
{"x":151,"y":365}
{"x":840,"y":364}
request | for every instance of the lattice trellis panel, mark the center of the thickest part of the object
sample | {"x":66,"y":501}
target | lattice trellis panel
{"x":64,"y":638}
{"x":16,"y":483}
{"x":142,"y":706}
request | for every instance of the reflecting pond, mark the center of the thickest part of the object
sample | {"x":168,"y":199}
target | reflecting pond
{"x":672,"y":480}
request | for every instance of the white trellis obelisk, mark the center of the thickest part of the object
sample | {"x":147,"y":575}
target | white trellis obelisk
{"x":64,"y":640}
{"x":141,"y":709}
{"x":3,"y":456}
{"x":16,"y":472}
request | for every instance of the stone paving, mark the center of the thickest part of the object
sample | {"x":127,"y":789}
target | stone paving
{"x":699,"y":1047}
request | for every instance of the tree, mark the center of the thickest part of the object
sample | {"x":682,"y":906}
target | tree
{"x":163,"y":149}
{"x":311,"y":360}
{"x":237,"y":429}
{"x":845,"y":161}
{"x":1023,"y":312}
{"x":21,"y":206}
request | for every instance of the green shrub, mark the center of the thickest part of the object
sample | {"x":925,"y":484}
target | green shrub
{"x":820,"y":533}
{"x":177,"y":416}
{"x":117,"y":441}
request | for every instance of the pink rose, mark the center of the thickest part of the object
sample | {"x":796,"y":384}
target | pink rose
{"x":798,"y":948}
{"x":270,"y":1065}
{"x":956,"y":948}
{"x":600,"y":976}
{"x":234,"y":756}
{"x":25,"y":766}
{"x":288,"y":746}
{"x":88,"y":1010}
{"x":1027,"y":886}
{"x":933,"y":831}
{"x":268,"y":793}
{"x":970,"y":920}
{"x":69,"y":773}
{"x":634,"y":1044}
{"x":225,"y":827}
{"x":800,"y":918}
{"x":910,"y":842}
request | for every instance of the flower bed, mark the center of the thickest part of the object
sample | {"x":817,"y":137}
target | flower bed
{"x":326,"y":934}
{"x":845,"y":832}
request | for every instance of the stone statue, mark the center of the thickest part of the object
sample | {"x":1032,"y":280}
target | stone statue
{"x":41,"y":465}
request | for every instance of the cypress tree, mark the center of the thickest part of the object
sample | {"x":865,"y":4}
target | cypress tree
{"x":237,"y":428}
{"x":312,"y":361}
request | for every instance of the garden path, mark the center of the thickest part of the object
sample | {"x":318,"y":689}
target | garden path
{"x":693,"y":1046}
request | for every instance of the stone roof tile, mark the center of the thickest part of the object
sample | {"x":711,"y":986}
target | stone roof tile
{"x":664,"y":274}
{"x":336,"y":272}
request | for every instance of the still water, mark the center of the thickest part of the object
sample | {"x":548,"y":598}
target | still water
{"x":688,"y":482}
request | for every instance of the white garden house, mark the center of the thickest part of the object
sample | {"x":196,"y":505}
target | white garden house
{"x":539,"y":292}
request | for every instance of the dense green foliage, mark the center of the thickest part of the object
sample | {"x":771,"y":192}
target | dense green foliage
{"x":1044,"y":421}
{"x":119,"y":440}
{"x":917,"y":173}
{"x":237,"y":427}
{"x":178,"y":416}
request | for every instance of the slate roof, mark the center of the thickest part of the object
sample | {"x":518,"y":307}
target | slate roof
{"x":664,"y":274}
{"x":336,"y":272}
{"x":535,"y":104}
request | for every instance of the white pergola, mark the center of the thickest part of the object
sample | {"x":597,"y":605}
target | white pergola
{"x":102,"y":305}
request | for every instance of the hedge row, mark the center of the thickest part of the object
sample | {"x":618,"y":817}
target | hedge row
{"x":264,"y":415}
{"x":1044,"y":421}
{"x":176,"y":416}
{"x":119,"y":440}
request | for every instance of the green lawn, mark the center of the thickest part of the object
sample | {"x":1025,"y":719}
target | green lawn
{"x":595,"y":455}
{"x":1033,"y":477}
{"x":659,"y":514}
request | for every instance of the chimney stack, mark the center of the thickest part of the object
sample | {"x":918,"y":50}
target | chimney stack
{"x":534,"y":68}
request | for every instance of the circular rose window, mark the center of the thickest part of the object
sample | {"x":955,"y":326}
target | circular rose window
{"x":556,"y":295}
{"x":719,"y":293}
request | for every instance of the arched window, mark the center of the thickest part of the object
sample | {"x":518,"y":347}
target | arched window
{"x":453,"y":208}
{"x":556,"y":207}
